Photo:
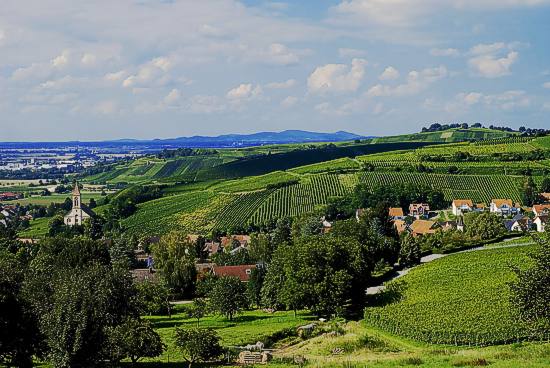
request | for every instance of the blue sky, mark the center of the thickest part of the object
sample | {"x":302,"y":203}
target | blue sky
{"x":87,"y":70}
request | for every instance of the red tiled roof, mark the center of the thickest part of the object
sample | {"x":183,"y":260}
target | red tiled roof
{"x":242,"y":272}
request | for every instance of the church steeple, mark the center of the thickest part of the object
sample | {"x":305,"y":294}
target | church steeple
{"x":76,"y":195}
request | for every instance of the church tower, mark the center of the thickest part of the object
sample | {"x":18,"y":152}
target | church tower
{"x":76,"y":196}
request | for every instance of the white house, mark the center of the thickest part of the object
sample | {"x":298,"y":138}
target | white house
{"x":396,"y":213}
{"x":503,"y":207}
{"x":79,"y":212}
{"x":541,"y":222}
{"x":462,"y":205}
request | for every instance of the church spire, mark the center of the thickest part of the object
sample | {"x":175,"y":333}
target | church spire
{"x":76,"y":195}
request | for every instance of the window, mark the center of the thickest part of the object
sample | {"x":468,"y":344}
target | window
{"x":248,"y":271}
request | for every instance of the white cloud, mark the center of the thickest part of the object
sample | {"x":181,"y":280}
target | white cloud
{"x":351,"y":53}
{"x":405,"y":13}
{"x":444,"y":52}
{"x":505,"y":101}
{"x":546,"y":85}
{"x":153,"y":72}
{"x":172,"y":97}
{"x":116,"y":76}
{"x":416,"y":82}
{"x":61,"y":60}
{"x":337,"y":77}
{"x":88,"y":59}
{"x":244,"y":92}
{"x":289,"y":101}
{"x":282,"y":55}
{"x":390,"y":73}
{"x":487,"y":59}
{"x":282,"y":85}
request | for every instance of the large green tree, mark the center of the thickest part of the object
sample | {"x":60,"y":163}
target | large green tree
{"x":20,"y":337}
{"x":175,"y":258}
{"x":198,"y":345}
{"x":483,"y":225}
{"x":228,"y":296}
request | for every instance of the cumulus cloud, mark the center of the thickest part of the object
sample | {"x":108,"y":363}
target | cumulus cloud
{"x":488,"y":60}
{"x":153,"y":72}
{"x":390,"y":73}
{"x":416,"y":82}
{"x":444,"y":52}
{"x":335,"y":78}
{"x":281,"y":85}
{"x":244,"y":92}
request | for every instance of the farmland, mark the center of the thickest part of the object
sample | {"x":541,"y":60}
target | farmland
{"x":239,"y":203}
{"x":460,"y":299}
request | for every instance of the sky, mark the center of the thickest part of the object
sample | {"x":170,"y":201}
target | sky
{"x":104,"y":69}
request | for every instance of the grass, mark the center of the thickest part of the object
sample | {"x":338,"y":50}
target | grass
{"x":54,"y":198}
{"x":365,"y":346}
{"x":247,"y":328}
{"x":460,"y":299}
{"x":38,"y":229}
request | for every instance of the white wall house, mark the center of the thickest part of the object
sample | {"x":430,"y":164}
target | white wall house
{"x":461,"y":206}
{"x":504,"y":207}
{"x":541,"y":222}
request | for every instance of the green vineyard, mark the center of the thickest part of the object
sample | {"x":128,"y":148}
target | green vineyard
{"x":461,"y":299}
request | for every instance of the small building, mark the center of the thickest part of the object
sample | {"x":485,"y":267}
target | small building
{"x":396,"y":213}
{"x":418,"y":210}
{"x":461,"y":206}
{"x":541,"y":209}
{"x":400,"y":226}
{"x":480,"y":207}
{"x":545,"y":197}
{"x":423,"y":227}
{"x":243,"y":272}
{"x":10,"y":196}
{"x":327,"y":225}
{"x":504,"y":207}
{"x":541,"y":222}
{"x":79,"y":212}
{"x":212,"y":247}
{"x":519,"y":223}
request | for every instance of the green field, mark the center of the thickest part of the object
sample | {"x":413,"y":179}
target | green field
{"x":247,"y":328}
{"x":461,"y":299}
{"x":54,"y":198}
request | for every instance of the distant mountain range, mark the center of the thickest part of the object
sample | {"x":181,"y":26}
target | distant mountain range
{"x":286,"y":136}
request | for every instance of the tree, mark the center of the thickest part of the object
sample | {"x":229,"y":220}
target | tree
{"x":529,"y":194}
{"x":530,"y":293}
{"x":254,"y":285}
{"x":153,"y":297}
{"x":484,"y":225}
{"x":175,"y":258}
{"x":92,"y":204}
{"x":260,"y":248}
{"x":198,"y":345}
{"x":545,"y":185}
{"x":198,"y":309}
{"x":228,"y":297}
{"x":410,"y":252}
{"x":133,"y":339}
{"x":77,"y":294}
{"x":20,"y":338}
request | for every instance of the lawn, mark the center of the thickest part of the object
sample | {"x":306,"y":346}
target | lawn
{"x":248,"y":327}
{"x":38,"y":229}
{"x":54,"y":198}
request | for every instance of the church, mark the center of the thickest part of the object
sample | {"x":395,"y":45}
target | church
{"x":79,"y":212}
